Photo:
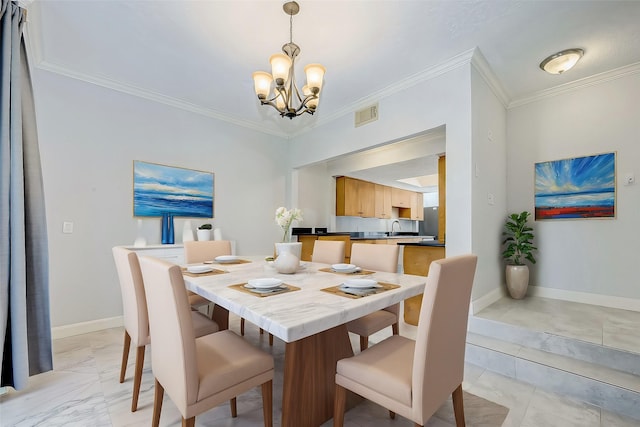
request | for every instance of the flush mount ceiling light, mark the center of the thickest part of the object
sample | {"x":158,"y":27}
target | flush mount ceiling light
{"x":560,"y":62}
{"x":286,"y":97}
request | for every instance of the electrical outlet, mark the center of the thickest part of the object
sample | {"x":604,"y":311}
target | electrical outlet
{"x":491,"y":199}
{"x":629,"y":179}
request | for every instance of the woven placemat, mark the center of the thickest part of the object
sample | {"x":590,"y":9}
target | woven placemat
{"x":384,"y":287}
{"x":355,"y":273}
{"x":288,"y":288}
{"x":208,"y":273}
{"x":235,"y":261}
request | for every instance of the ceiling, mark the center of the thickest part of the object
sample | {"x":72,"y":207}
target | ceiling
{"x":199,"y":55}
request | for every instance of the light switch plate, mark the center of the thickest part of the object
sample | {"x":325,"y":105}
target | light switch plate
{"x":67,"y":227}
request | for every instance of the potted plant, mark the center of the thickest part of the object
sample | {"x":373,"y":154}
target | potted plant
{"x":518,"y":247}
{"x":204,"y":232}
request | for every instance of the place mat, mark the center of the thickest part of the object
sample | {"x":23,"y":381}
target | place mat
{"x":237,"y":261}
{"x":240,"y":287}
{"x":385,"y":287}
{"x":208,"y":273}
{"x":355,"y":273}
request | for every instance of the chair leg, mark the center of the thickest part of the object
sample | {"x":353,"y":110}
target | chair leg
{"x":242,"y":327}
{"x":395,"y":328}
{"x":137,"y":378}
{"x":267,"y":403}
{"x":364,"y":343}
{"x":261,"y":331}
{"x":191,"y":422}
{"x":157,"y":404}
{"x":458,"y":406}
{"x":125,"y":355}
{"x":271,"y":339}
{"x":339,"y":404}
{"x":392,"y":415}
{"x":233,"y":404}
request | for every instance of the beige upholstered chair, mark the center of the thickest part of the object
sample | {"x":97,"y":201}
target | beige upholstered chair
{"x":200,"y":251}
{"x":328,"y":251}
{"x":197,"y":373}
{"x":194,"y":252}
{"x":136,"y":321}
{"x":414,"y":378}
{"x":379,"y":258}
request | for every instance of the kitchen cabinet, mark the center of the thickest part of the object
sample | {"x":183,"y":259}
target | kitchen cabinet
{"x":417,"y":260}
{"x":400,"y":198}
{"x":382,"y":201}
{"x":355,"y":197}
{"x":417,"y":206}
{"x":308,"y":240}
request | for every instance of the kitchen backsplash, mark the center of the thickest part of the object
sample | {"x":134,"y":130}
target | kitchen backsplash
{"x":351,"y":223}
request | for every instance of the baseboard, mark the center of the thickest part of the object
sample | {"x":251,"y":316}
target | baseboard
{"x":486,"y":300}
{"x":86,"y":327}
{"x":585,"y":298}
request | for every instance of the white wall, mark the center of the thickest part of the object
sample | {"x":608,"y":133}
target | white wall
{"x":596,"y":256}
{"x":89,"y":137}
{"x":444,"y":100}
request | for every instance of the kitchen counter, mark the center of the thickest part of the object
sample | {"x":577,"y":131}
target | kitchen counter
{"x":435,"y":243}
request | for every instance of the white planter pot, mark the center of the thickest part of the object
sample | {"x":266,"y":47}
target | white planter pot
{"x":517,"y":280}
{"x":204,"y":235}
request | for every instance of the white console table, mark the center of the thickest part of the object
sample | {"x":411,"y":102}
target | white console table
{"x":171,"y":253}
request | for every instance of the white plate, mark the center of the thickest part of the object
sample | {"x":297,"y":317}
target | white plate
{"x":199,"y":269}
{"x":226,"y":258}
{"x":361,"y":283}
{"x":265,"y":283}
{"x":344,"y":268}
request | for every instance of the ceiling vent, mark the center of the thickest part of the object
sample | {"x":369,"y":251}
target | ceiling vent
{"x":366,"y":115}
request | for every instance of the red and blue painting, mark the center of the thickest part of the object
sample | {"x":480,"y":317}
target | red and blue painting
{"x":581,"y":187}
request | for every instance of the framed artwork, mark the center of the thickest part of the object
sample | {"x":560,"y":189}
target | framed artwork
{"x":159,"y":190}
{"x":581,"y":187}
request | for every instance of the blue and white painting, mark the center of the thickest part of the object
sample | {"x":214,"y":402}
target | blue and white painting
{"x":159,"y":189}
{"x":582,"y":187}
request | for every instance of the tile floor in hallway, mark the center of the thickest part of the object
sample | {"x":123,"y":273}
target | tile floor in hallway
{"x":83,"y":390}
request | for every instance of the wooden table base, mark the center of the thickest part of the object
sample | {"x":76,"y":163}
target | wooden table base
{"x":309,"y":377}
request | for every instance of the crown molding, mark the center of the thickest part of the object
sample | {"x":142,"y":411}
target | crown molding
{"x":573,"y":86}
{"x":479,"y":62}
{"x":412,"y":80}
{"x":154,"y":96}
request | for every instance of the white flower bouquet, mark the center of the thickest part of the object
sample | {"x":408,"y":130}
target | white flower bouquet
{"x":285,"y":217}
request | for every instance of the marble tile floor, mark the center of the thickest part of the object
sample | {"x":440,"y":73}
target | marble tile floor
{"x":83,"y":390}
{"x":605,"y":326}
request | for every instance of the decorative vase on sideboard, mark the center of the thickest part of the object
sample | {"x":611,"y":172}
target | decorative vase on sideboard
{"x":204,"y":234}
{"x":517,"y":280}
{"x":168,"y":234}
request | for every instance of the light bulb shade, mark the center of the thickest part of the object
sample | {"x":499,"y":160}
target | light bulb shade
{"x":262,"y":83}
{"x":313,"y":103}
{"x":560,"y":62}
{"x":315,"y":75}
{"x":280,"y":66}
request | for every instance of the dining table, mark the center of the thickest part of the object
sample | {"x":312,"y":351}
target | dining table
{"x":309,"y":312}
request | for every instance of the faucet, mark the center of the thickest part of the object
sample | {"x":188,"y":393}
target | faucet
{"x":394,"y":223}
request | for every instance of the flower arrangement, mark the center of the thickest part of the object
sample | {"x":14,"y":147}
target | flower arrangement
{"x":285,"y":217}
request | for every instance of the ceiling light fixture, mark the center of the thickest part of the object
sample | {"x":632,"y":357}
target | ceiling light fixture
{"x":286,"y":97}
{"x":560,"y":62}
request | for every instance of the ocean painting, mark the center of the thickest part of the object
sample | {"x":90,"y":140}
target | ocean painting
{"x":159,"y":189}
{"x":582,"y":187}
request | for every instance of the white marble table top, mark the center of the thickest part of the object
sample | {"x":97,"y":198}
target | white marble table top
{"x":299,"y":314}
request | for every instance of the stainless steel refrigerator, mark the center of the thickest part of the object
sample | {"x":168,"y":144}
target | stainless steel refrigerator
{"x":429,"y":227}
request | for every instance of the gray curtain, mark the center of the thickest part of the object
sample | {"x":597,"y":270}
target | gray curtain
{"x":25,"y":327}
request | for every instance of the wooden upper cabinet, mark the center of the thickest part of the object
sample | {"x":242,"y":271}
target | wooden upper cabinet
{"x":400,"y":198}
{"x":354,"y":197}
{"x":382,"y":201}
{"x":417,"y":208}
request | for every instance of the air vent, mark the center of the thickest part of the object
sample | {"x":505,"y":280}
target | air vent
{"x":366,"y":115}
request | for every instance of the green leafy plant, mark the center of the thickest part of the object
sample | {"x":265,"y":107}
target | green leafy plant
{"x":518,"y":240}
{"x":205,"y":227}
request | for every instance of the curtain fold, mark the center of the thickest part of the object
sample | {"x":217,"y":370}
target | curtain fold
{"x":24,"y":271}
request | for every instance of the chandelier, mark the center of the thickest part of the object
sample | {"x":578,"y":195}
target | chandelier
{"x":286,"y":98}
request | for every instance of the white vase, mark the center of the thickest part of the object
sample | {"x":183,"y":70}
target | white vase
{"x":517,"y":280}
{"x":204,"y":235}
{"x":294,"y":247}
{"x":286,"y":263}
{"x":187,"y":232}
